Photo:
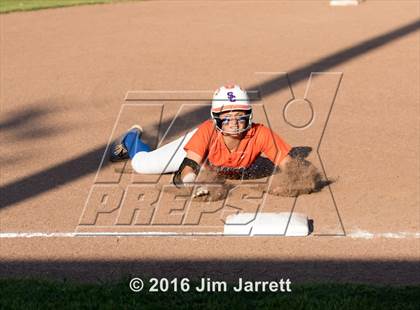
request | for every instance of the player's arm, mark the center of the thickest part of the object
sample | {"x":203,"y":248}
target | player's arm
{"x":189,"y":169}
{"x":196,"y":149}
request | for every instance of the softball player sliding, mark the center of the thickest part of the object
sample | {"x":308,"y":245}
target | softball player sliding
{"x":230,"y":144}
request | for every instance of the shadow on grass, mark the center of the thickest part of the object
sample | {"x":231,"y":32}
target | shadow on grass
{"x":37,"y":294}
{"x":392,"y":272}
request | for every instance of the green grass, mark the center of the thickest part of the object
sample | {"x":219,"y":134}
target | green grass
{"x":41,"y":294}
{"x":7,"y":6}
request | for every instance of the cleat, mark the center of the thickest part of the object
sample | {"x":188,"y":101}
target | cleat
{"x":118,"y":151}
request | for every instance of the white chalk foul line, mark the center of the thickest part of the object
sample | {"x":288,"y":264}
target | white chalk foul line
{"x":362,"y":234}
{"x":102,"y":234}
{"x":358,"y":234}
{"x":37,"y":235}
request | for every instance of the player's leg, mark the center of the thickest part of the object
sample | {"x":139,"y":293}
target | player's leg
{"x":134,"y":144}
{"x":126,"y":146}
{"x":165,"y":159}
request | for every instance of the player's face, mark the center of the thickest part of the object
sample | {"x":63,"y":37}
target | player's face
{"x":233,"y":122}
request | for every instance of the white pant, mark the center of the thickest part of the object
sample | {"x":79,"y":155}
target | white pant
{"x":165,"y":159}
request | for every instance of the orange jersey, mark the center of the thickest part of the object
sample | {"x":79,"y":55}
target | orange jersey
{"x":208,"y":142}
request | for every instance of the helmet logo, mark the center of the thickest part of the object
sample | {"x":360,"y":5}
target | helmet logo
{"x":231,"y":96}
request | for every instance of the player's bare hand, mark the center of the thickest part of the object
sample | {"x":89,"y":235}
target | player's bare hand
{"x":201,"y":191}
{"x":212,"y":192}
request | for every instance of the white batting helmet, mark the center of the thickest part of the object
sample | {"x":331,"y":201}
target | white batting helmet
{"x":230,"y":97}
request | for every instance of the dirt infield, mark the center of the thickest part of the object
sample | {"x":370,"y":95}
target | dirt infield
{"x":63,"y":85}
